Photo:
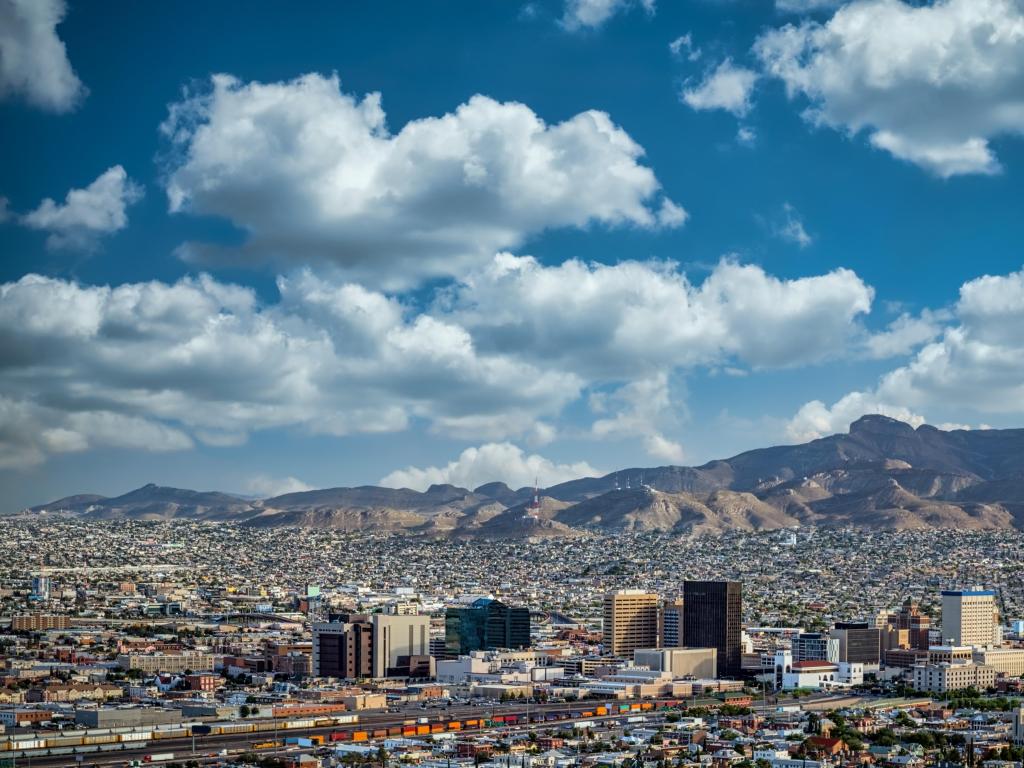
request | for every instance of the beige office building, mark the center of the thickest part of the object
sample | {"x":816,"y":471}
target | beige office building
{"x":630,"y":622}
{"x":943,"y":678}
{"x":397,"y":635}
{"x":969,"y":617}
{"x":1005,"y":661}
{"x":700,"y":663}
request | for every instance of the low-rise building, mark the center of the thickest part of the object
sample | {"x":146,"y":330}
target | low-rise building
{"x":945,"y":677}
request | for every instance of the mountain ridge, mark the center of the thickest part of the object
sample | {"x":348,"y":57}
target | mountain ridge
{"x":883,"y":473}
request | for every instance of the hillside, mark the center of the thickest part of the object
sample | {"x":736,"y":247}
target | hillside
{"x":882,"y":474}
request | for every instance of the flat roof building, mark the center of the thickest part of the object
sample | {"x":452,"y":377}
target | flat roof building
{"x":630,"y":621}
{"x":969,"y":617}
{"x":712,"y":618}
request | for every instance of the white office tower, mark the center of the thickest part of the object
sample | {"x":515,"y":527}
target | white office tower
{"x":969,"y":617}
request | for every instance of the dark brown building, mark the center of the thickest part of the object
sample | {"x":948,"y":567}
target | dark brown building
{"x":343,"y":647}
{"x":712,"y":618}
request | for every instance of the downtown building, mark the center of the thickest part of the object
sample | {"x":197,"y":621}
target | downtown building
{"x":630,"y":622}
{"x":485,"y":625}
{"x":353,"y":646}
{"x":859,"y":642}
{"x":713,"y":618}
{"x":969,"y":617}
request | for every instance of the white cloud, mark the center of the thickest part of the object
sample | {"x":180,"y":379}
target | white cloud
{"x":906,"y":333}
{"x":312,"y":175}
{"x":208,"y":358}
{"x":498,"y":355}
{"x":642,"y":408}
{"x":805,"y":6}
{"x":87,"y":214}
{"x":631,"y":320}
{"x":746,"y":136}
{"x":590,"y":14}
{"x":976,"y":364}
{"x":792,"y":227}
{"x":727,"y":87}
{"x":33,"y":61}
{"x":30,"y":431}
{"x":683,"y":46}
{"x":815,"y":419}
{"x":932,"y":84}
{"x":490,"y":462}
{"x":266,"y":486}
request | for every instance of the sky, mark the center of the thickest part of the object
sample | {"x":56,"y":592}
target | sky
{"x":259,"y":247}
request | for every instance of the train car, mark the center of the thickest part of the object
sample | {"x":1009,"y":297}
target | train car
{"x":270,"y":744}
{"x":454,"y":725}
{"x":601,"y":711}
{"x":408,"y":730}
{"x":360,"y":736}
{"x":335,"y":736}
{"x":422,"y":730}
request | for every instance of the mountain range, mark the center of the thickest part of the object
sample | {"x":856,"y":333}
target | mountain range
{"x":883,"y":474}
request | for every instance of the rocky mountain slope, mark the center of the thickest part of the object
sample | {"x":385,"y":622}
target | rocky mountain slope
{"x":882,"y":474}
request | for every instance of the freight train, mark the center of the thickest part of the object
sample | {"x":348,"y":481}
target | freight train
{"x":41,"y":744}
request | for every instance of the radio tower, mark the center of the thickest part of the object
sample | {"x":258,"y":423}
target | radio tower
{"x":533,"y":510}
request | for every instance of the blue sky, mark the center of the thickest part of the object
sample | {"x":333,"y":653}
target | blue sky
{"x":556,"y":243}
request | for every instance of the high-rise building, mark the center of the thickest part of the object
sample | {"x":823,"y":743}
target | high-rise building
{"x":969,"y":617}
{"x":395,"y":636}
{"x":672,"y":623}
{"x":859,"y":642}
{"x":485,"y":625}
{"x":712,"y":618}
{"x":343,"y":647}
{"x":815,"y":646}
{"x":40,"y":587}
{"x":917,"y":624}
{"x":630,"y":621}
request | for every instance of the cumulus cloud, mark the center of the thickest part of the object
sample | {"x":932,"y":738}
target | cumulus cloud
{"x":313,"y":175}
{"x":590,"y":14}
{"x":906,"y":333}
{"x":815,"y":419}
{"x":931,"y":84}
{"x":208,"y":359}
{"x":87,"y":214}
{"x":976,"y":364}
{"x":726,"y":87}
{"x":30,"y":431}
{"x":266,"y":486}
{"x":634,"y":319}
{"x":487,"y":463}
{"x":497,"y":355}
{"x":641,"y":408}
{"x":33,"y":60}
